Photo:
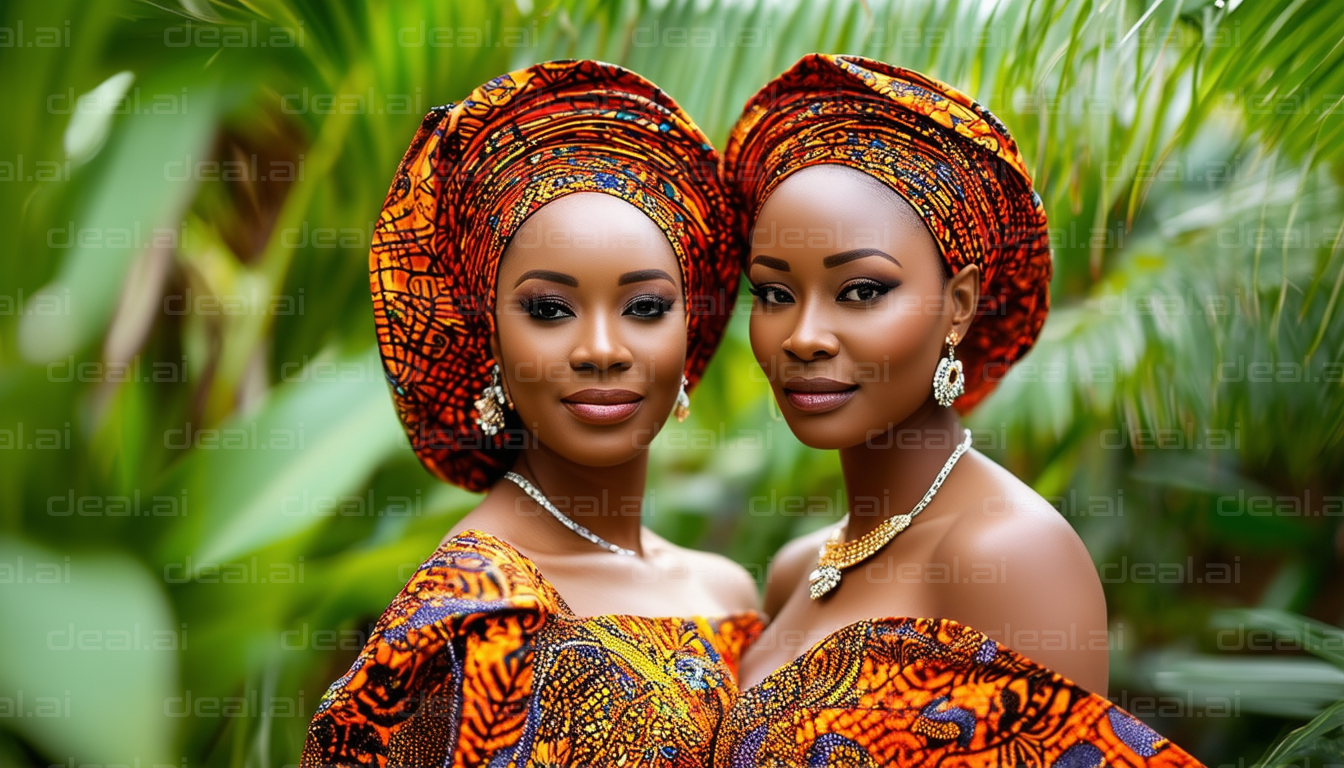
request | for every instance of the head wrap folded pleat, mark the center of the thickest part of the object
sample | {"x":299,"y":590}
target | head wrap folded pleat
{"x":473,"y":174}
{"x":948,"y":157}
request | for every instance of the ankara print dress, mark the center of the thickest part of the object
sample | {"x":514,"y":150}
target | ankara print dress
{"x":479,"y":662}
{"x":929,"y":692}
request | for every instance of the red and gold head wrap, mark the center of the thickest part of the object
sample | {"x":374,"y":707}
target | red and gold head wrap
{"x":474,"y":172}
{"x":946,"y":155}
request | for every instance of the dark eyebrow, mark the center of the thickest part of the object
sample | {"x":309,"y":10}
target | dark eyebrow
{"x":640,"y":275}
{"x":772,"y":263}
{"x":858,"y":253}
{"x":546,"y":274}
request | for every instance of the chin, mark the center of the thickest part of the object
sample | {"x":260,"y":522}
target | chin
{"x":828,"y":440}
{"x":849,"y":426}
{"x":609,"y":448}
{"x":825,"y":432}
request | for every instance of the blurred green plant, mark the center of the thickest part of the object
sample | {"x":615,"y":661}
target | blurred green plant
{"x":1287,"y":687}
{"x":201,"y":462}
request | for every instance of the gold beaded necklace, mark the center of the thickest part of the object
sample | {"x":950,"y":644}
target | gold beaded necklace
{"x":836,"y":554}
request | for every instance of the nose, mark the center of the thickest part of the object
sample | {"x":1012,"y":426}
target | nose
{"x":600,"y":347}
{"x":810,"y":339}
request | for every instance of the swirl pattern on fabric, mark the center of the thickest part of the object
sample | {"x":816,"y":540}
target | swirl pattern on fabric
{"x":478,"y":661}
{"x":951,"y":159}
{"x":913,"y":692}
{"x":473,"y":174}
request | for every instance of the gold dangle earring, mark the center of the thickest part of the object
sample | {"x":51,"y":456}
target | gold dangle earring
{"x":491,"y":404}
{"x":948,"y":381}
{"x":683,"y":407}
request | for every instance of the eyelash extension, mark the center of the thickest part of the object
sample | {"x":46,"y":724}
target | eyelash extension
{"x":882,"y":288}
{"x":760,"y":292}
{"x":531,"y":304}
{"x":664,"y":304}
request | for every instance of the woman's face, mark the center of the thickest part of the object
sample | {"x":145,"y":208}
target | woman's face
{"x":591,"y":328}
{"x":852,"y":305}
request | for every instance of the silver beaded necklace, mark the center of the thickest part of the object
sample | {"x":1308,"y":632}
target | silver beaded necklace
{"x":535,"y":493}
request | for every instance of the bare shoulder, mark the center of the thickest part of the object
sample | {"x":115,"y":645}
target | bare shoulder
{"x":473,"y":520}
{"x":723,"y":577}
{"x":1032,"y":577}
{"x":492,"y":514}
{"x":1022,"y":533}
{"x":1008,"y":519}
{"x":790,"y":567}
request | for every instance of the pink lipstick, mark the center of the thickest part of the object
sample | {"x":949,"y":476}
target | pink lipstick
{"x":818,"y":395}
{"x":602,"y":407}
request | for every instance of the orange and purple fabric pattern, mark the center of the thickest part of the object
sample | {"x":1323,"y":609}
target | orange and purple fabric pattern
{"x":924,"y":692}
{"x":951,"y":159}
{"x":478,"y":661}
{"x":473,"y":174}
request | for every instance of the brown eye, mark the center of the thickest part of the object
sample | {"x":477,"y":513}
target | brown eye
{"x":862,"y":291}
{"x":771,"y":295}
{"x":547,"y":309}
{"x":648,"y":307}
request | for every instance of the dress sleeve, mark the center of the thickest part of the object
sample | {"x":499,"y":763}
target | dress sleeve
{"x":446,"y":673}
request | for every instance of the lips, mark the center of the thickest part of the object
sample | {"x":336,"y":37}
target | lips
{"x":603,"y":406}
{"x":818,"y":395}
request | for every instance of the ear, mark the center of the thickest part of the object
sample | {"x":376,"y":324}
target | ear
{"x":494,"y":347}
{"x":963,"y":290}
{"x":499,"y":360}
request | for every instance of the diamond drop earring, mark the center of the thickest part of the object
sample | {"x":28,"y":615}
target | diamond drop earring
{"x":948,"y":381}
{"x":491,"y":404}
{"x":683,"y":407}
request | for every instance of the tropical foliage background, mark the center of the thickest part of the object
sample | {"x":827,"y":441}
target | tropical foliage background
{"x":204,"y":495}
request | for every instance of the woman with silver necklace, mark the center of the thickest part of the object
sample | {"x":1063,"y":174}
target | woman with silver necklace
{"x":534,"y":273}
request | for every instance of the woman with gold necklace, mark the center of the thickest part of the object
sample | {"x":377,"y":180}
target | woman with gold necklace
{"x":900,"y":263}
{"x":551,"y":273}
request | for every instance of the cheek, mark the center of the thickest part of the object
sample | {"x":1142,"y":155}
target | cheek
{"x":662,"y":347}
{"x":899,"y":336}
{"x":767,"y":333}
{"x":534,"y":356}
{"x":516,"y":336}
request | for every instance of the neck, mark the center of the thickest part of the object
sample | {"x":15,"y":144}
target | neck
{"x":888,"y":474}
{"x":608,"y":501}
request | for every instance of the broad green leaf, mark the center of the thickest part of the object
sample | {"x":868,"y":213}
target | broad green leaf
{"x":316,"y":440}
{"x":1315,"y":637}
{"x":136,"y":201}
{"x":1284,"y":687}
{"x":91,"y":654}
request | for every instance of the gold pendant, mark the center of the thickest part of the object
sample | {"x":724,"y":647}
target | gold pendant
{"x":823,"y":580}
{"x":837,"y":554}
{"x":834,"y":555}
